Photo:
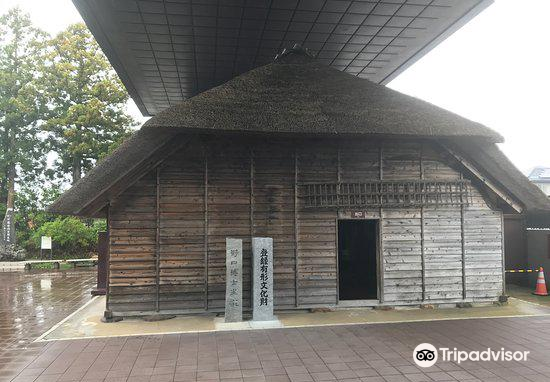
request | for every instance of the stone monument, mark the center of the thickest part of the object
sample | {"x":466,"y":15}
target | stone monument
{"x":8,"y":251}
{"x":234,"y":280}
{"x":262,"y":279}
{"x":8,"y":228}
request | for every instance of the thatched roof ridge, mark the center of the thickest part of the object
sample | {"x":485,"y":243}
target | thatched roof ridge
{"x":296,"y":94}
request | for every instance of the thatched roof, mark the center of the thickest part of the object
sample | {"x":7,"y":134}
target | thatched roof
{"x":296,"y":94}
{"x":498,"y":167}
{"x":129,"y":155}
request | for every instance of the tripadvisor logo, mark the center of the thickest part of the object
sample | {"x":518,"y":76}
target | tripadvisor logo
{"x":426,"y":355}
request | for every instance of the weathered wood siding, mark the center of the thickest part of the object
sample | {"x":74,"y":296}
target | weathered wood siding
{"x":273,"y":213}
{"x":181,"y":223}
{"x":482,"y":250}
{"x":442,"y":237}
{"x":317,"y":258}
{"x":168,"y":229}
{"x":400,"y":228}
{"x":132,"y":264}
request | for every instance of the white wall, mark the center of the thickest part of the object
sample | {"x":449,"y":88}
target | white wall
{"x":545,"y":187}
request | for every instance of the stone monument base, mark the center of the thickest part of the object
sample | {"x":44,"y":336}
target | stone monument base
{"x":271,"y":324}
{"x":9,"y":252}
{"x":221,"y":325}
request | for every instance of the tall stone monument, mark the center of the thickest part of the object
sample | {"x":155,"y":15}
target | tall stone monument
{"x":234,"y":280}
{"x":7,"y":239}
{"x":262,"y":279}
{"x":8,"y":228}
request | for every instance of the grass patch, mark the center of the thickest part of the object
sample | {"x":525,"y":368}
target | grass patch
{"x":62,"y":265}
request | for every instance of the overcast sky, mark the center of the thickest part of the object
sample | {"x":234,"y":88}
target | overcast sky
{"x":495,"y":70}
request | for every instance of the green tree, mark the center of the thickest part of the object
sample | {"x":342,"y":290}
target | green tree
{"x":22,"y":153}
{"x":71,"y":237}
{"x":87,"y":101}
{"x":30,"y":210}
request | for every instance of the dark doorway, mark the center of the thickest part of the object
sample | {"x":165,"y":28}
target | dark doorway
{"x":357,"y":249}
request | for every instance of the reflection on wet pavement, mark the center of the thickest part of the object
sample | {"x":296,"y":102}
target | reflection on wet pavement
{"x":31,"y":302}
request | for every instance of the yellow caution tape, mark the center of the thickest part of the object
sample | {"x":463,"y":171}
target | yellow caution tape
{"x":521,"y":270}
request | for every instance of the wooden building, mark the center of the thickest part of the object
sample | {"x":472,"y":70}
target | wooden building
{"x":540,"y":176}
{"x":371,"y":197}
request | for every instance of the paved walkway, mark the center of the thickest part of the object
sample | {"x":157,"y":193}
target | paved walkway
{"x":526,"y":294}
{"x":380,"y":352}
{"x":86,"y":323}
{"x":31,"y":303}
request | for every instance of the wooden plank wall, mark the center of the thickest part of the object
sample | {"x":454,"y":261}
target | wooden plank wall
{"x":442,"y":237}
{"x":273,"y":179}
{"x":229,"y":187}
{"x":228,"y":214}
{"x":317,"y":258}
{"x":483,"y":250}
{"x":181,"y":191}
{"x":400,"y":228}
{"x":132,"y":260}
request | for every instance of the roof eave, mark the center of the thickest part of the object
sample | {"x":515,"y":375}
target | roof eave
{"x":102,"y":37}
{"x":103,"y":40}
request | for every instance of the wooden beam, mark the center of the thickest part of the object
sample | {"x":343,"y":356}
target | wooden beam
{"x":463,"y":246}
{"x":296,"y":265}
{"x":205,"y":238}
{"x":338,"y":183}
{"x":381,"y":212}
{"x":157,"y":241}
{"x":422,"y":235}
{"x":252,"y":172}
{"x":509,"y":200}
{"x":108,"y":294}
{"x":380,"y":162}
{"x":503,"y":253}
{"x":338,"y":174}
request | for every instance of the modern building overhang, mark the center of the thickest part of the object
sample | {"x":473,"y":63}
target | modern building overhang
{"x":167,"y":51}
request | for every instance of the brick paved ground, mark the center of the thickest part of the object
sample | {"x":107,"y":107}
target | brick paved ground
{"x":381,"y":352}
{"x":31,"y":303}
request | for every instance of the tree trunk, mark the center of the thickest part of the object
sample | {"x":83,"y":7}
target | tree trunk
{"x":10,"y":203}
{"x":8,"y":224}
{"x":77,"y":169}
{"x":4,"y":187}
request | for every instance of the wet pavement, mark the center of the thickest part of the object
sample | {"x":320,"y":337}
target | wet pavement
{"x":356,"y":353}
{"x":86,"y":323}
{"x":31,"y":302}
{"x":526,"y":294}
